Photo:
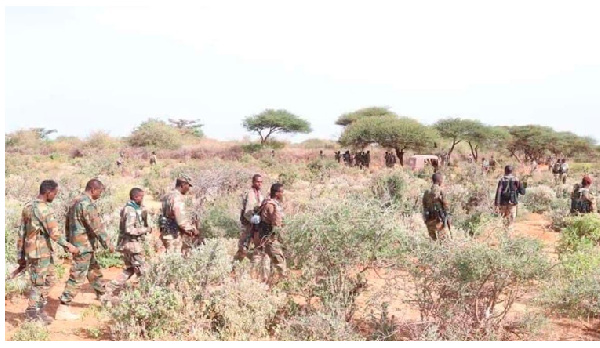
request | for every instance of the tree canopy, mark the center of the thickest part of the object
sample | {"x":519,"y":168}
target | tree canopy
{"x":375,"y":111}
{"x":191,"y":127}
{"x":458,"y":130}
{"x":155,"y":133}
{"x":400,"y":134}
{"x":273,"y":121}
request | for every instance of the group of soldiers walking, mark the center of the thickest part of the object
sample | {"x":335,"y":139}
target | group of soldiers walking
{"x":359,"y":159}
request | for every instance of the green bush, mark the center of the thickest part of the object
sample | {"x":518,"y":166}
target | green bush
{"x":582,"y":232}
{"x":156,"y":134}
{"x":31,"y":331}
{"x":539,"y":199}
{"x":252,"y":148}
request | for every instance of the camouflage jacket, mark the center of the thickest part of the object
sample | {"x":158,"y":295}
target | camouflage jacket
{"x":174,"y":210}
{"x":250,"y":200}
{"x":434,"y":201}
{"x":272,"y":212}
{"x":83,"y":225}
{"x":134,"y":223}
{"x":38,"y":227}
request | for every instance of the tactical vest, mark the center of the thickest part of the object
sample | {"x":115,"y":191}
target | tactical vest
{"x":579,"y":204}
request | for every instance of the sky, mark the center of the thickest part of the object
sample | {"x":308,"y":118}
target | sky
{"x":81,"y":69}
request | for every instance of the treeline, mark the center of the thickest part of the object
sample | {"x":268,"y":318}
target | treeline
{"x":364,"y":127}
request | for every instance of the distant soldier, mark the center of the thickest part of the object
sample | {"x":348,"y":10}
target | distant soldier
{"x":393,"y":159}
{"x":507,"y":196}
{"x":347,"y":160}
{"x":176,"y":231}
{"x":119,"y":161}
{"x":38,"y":228}
{"x":321,"y":154}
{"x":84,"y":230}
{"x":337,"y":156}
{"x":582,"y":200}
{"x":493,"y":164}
{"x":470,"y":158}
{"x":387,"y":159}
{"x":132,"y":229}
{"x":153,"y":158}
{"x":556,"y":171}
{"x":270,"y":228}
{"x":435,"y":209}
{"x":368,"y":158}
{"x":485,"y":166}
{"x":251,"y":202}
{"x":272,"y":153}
{"x":564,"y":171}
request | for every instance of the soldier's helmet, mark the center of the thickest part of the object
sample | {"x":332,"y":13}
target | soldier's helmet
{"x":184,"y":178}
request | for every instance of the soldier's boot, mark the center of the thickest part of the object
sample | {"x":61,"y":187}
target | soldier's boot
{"x":32,"y":314}
{"x":64,"y":313}
{"x":47,"y":319}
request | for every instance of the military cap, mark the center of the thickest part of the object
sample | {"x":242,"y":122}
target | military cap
{"x":184,"y":178}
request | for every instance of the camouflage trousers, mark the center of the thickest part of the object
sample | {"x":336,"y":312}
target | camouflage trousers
{"x":183,"y":244}
{"x":134,"y":264}
{"x":246,"y":237}
{"x":271,"y":246}
{"x":560,"y":179}
{"x":42,"y":275}
{"x":84,"y":265}
{"x":509,"y":214}
{"x":436,"y":230}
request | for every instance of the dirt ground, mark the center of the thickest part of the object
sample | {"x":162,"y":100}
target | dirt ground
{"x":90,"y":328}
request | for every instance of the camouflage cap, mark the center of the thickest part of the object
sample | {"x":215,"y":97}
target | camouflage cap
{"x":184,"y":178}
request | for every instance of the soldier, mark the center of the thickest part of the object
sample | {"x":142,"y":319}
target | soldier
{"x":347,"y":159}
{"x":582,"y":200}
{"x":492,"y":164}
{"x":337,"y":156}
{"x":485,"y":166}
{"x":132,"y":229}
{"x":153,"y":158}
{"x":564,"y":171}
{"x":38,"y":227}
{"x":251,"y":202}
{"x":321,"y":154}
{"x":368,"y":158}
{"x":271,"y":216}
{"x":507,"y":196}
{"x":174,"y":219}
{"x":387,"y":159}
{"x":84,"y":229}
{"x":556,"y":168}
{"x":435,"y":209}
{"x":393,"y":159}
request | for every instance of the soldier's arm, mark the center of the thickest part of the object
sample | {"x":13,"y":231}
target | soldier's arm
{"x":130,"y":217}
{"x":444,"y":201}
{"x":51,"y":226}
{"x":520,"y":188}
{"x":94,"y":225}
{"x":181,"y":217}
{"x":21,"y":239}
{"x":269,"y":214}
{"x":248,"y":208}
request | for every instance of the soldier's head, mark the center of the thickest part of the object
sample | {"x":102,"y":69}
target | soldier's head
{"x":49,"y":190}
{"x":183,"y":183}
{"x":564,"y":160}
{"x":136,"y":194}
{"x":586,"y":181}
{"x":257,"y":181}
{"x":508,"y":170}
{"x":437,"y":178}
{"x":154,"y":152}
{"x":94,"y":188}
{"x":277,"y":191}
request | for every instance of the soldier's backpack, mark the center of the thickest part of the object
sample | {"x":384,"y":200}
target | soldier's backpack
{"x":564,"y":168}
{"x":556,"y":168}
{"x":578,"y":202}
{"x":508,"y":191}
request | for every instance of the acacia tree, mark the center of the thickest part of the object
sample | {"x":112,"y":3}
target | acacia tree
{"x":486,"y":137}
{"x":458,"y":130}
{"x":532,"y":141}
{"x":272,"y":121}
{"x":193,"y":127}
{"x":375,"y":111}
{"x":401,"y":134}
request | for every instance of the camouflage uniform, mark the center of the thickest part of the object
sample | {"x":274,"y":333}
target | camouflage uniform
{"x":581,"y":193}
{"x":434,"y":201}
{"x":176,"y":229}
{"x":133,"y":227}
{"x":249,"y":202}
{"x":38,"y":227}
{"x":508,"y":209}
{"x":153,"y":159}
{"x":84,"y":229}
{"x":271,"y":216}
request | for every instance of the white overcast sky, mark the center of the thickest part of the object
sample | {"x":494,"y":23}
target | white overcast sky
{"x":79,"y":69}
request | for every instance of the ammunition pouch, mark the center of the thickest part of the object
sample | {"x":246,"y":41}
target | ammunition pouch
{"x":264,"y":229}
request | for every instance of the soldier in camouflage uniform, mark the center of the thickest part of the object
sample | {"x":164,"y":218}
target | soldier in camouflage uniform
{"x":85,"y":230}
{"x":38,"y":227}
{"x":435,"y":208}
{"x":176,"y":231}
{"x":251,"y":202}
{"x":582,"y":200}
{"x":270,"y":229}
{"x":132,"y":229}
{"x":153,"y":158}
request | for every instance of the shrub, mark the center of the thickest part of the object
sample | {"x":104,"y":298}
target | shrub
{"x":539,"y":199}
{"x":317,"y":326}
{"x":464,"y":289}
{"x":156,"y":134}
{"x":252,"y":148}
{"x":574,"y":289}
{"x":582,"y":232}
{"x":31,"y":331}
{"x":100,"y":140}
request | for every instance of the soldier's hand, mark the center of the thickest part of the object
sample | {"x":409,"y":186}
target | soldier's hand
{"x":111,"y":249}
{"x":22,"y":262}
{"x":72,"y":249}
